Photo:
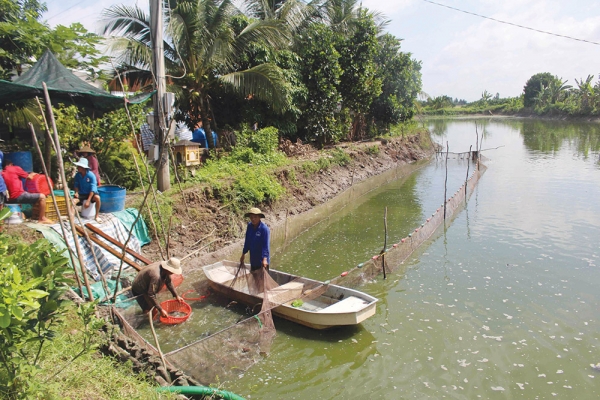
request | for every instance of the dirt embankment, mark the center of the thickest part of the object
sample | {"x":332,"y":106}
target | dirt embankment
{"x":210,"y":225}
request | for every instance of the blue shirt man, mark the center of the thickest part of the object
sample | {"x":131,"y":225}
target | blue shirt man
{"x":86,"y":187}
{"x":199,"y":136}
{"x":86,"y":184}
{"x":257,"y":241}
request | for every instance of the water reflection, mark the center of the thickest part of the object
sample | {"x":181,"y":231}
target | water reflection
{"x":550,"y":136}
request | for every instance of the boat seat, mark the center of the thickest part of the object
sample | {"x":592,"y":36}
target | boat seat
{"x":349,"y":304}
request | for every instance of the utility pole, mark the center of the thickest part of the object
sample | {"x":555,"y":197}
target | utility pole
{"x":160,"y":117}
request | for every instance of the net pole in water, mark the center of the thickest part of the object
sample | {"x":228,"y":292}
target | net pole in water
{"x":467,"y":177}
{"x":446,"y":180}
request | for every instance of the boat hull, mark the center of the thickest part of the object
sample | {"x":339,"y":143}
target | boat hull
{"x":338,"y":306}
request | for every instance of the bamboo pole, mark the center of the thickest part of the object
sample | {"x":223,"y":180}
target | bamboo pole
{"x":160,"y":353}
{"x":169,"y":237}
{"x":178,"y":184}
{"x":71,"y":255}
{"x":467,"y":178}
{"x":104,"y":284}
{"x":384,"y":244}
{"x":137,"y":167}
{"x":61,"y":169}
{"x":446,"y":181}
{"x":102,"y":234}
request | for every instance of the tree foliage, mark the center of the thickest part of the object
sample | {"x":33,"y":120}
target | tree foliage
{"x":534,"y":85}
{"x":321,"y":72}
{"x":109,"y":135}
{"x":203,"y":49}
{"x":24,"y":38}
{"x":401,"y":83}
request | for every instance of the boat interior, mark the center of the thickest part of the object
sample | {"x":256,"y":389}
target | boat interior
{"x":315,"y":296}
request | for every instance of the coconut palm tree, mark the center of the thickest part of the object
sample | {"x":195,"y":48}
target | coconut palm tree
{"x":204,"y":41}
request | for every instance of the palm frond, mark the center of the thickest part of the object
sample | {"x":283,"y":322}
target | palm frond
{"x":264,"y":82}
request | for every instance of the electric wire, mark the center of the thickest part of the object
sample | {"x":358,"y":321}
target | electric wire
{"x":512,"y":24}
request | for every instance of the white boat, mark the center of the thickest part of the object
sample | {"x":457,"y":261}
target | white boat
{"x":336,"y":306}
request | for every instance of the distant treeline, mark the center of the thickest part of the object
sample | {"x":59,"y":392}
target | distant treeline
{"x":543,"y":94}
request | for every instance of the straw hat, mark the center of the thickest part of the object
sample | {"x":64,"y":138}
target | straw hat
{"x":173,"y":265}
{"x":83,"y":162}
{"x":86,"y":149}
{"x":254,"y":211}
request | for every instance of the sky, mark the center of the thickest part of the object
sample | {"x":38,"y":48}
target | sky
{"x":462,"y":55}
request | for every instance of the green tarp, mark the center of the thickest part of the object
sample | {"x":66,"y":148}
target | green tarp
{"x":62,"y":85}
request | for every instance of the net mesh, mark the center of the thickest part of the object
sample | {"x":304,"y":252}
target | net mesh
{"x":215,"y":355}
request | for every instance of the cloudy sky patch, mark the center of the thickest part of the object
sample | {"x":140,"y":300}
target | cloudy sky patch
{"x":462,"y":54}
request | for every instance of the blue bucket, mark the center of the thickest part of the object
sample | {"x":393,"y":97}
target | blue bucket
{"x":22,"y":159}
{"x":112,"y":198}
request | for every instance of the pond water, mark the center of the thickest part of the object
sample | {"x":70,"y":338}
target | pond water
{"x":503,"y":302}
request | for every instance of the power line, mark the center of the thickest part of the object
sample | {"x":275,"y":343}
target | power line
{"x":513,"y":24}
{"x":65,"y":10}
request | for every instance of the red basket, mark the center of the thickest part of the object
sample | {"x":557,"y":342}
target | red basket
{"x":38,"y":184}
{"x":174,"y":305}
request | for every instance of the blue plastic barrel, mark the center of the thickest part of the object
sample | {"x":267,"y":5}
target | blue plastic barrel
{"x":22,"y":159}
{"x":112,"y":198}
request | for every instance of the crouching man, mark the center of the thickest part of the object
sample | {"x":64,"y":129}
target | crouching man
{"x":149,"y":281}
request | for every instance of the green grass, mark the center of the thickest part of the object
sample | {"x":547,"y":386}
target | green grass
{"x":91,"y":376}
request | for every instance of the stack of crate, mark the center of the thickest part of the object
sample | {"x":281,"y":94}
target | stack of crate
{"x":51,"y":212}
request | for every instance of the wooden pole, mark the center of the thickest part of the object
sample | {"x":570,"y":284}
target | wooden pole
{"x":160,"y":353}
{"x":446,"y":181}
{"x":384,"y":244}
{"x":105,"y":286}
{"x":158,"y":62}
{"x":71,"y":256}
{"x":137,"y":167}
{"x":467,"y":178}
{"x":169,"y":237}
{"x":187,"y":209}
{"x":61,"y":169}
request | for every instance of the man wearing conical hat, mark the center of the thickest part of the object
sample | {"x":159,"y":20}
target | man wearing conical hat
{"x":150,"y":280}
{"x":257,"y":241}
{"x":86,"y":186}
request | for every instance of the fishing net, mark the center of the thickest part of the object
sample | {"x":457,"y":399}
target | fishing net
{"x":394,"y":256}
{"x":222,"y":338}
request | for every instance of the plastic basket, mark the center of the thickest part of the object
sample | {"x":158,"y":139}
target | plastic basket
{"x":174,"y":305}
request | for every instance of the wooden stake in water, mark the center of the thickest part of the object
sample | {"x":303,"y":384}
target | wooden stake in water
{"x":446,"y":181}
{"x":384,"y":243}
{"x":467,"y":178}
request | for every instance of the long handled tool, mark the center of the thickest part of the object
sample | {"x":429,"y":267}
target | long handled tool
{"x":101,"y":233}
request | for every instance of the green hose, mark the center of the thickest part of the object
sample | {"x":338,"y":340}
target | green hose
{"x":200,"y":391}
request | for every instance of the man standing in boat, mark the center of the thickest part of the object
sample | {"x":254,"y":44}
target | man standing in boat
{"x":257,"y":241}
